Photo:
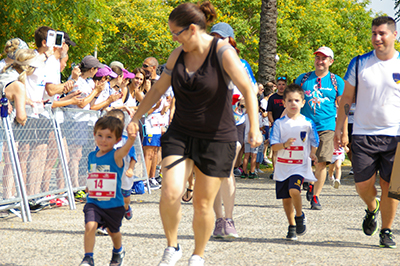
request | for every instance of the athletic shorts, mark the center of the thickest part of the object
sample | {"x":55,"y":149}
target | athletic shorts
{"x":213,"y":158}
{"x":126,"y":193}
{"x":325,"y":149}
{"x":152,"y":140}
{"x":240,"y":133}
{"x":350,"y":132}
{"x":110,"y":218}
{"x":266,"y":135}
{"x":249,"y":149}
{"x":292,"y":182}
{"x":371,"y":154}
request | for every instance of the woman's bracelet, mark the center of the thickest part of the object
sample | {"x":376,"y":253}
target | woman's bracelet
{"x":284,"y":145}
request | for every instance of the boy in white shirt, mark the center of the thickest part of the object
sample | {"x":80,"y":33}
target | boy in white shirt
{"x":295,"y":139}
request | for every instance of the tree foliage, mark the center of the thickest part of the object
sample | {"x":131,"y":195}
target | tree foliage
{"x":131,"y":30}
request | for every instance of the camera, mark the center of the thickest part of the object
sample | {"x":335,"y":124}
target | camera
{"x":51,"y":38}
{"x":55,"y":39}
{"x":59,"y":39}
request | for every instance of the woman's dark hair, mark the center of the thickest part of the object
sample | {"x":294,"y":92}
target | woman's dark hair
{"x":189,"y":13}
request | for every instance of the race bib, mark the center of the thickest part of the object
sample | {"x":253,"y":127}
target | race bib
{"x":102,"y":186}
{"x":337,"y":152}
{"x":291,"y":155}
{"x":154,"y":121}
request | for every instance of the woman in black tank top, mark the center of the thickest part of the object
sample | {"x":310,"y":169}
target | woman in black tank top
{"x":200,"y":136}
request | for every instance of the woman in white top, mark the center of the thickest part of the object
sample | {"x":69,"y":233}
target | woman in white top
{"x":12,"y":83}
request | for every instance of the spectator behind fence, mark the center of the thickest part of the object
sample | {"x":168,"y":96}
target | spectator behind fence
{"x":12,"y":83}
{"x":136,"y":85}
{"x":10,"y":48}
{"x":77,"y":126}
{"x":106,"y":212}
{"x":108,"y":95}
{"x":200,"y":135}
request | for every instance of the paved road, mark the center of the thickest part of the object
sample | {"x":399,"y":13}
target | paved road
{"x":334,"y":237}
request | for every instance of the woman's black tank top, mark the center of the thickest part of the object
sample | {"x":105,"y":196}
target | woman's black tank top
{"x":203,"y":100}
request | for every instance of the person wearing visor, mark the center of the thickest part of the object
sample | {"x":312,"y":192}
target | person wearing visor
{"x":322,"y":90}
{"x":10,"y":48}
{"x":109,"y":79}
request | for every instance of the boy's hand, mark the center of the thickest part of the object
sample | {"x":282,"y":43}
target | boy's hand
{"x":132,"y":129}
{"x":289,"y":142}
{"x":129,"y":173}
{"x":314,"y":157}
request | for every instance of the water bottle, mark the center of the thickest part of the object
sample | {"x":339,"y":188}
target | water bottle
{"x":4,"y":105}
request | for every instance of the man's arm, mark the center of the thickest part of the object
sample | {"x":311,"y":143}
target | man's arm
{"x":341,"y":133}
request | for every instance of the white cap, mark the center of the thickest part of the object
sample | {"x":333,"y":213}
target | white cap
{"x":325,"y":51}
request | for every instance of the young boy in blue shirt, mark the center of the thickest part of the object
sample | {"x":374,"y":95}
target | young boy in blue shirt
{"x":295,"y":139}
{"x":106,"y":162}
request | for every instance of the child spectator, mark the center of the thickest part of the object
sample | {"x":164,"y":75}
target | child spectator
{"x":100,"y":211}
{"x":129,"y":164}
{"x":249,"y":152}
{"x":336,"y":165}
{"x":295,"y":141}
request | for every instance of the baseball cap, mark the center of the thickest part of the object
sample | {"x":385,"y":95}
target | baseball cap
{"x":127,"y":74}
{"x":117,"y":63}
{"x":223,"y":29}
{"x":106,"y":71}
{"x":68,"y":40}
{"x":325,"y":51}
{"x":90,"y":61}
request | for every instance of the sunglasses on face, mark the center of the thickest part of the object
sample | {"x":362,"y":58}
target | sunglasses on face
{"x":281,"y":78}
{"x":180,"y":32}
{"x":145,"y":66}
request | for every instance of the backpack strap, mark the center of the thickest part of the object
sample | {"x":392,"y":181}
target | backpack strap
{"x":357,"y":62}
{"x":334,"y":82}
{"x":305,"y":77}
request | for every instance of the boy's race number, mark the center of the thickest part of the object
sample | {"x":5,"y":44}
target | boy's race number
{"x":291,"y":155}
{"x":102,"y":186}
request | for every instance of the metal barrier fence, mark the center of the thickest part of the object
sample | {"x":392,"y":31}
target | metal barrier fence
{"x":46,"y":158}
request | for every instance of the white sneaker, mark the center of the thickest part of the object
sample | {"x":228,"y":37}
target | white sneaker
{"x":171,"y":256}
{"x":101,"y":231}
{"x":153,"y":183}
{"x":196,"y":260}
{"x":336,"y":183}
{"x":260,"y":171}
{"x":332,"y":178}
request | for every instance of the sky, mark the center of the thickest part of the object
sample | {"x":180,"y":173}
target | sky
{"x":386,"y":6}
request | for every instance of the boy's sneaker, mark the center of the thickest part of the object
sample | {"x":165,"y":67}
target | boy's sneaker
{"x":229,"y":228}
{"x":259,"y":171}
{"x":386,"y":239}
{"x":171,"y":256}
{"x":244,"y":175}
{"x":154,"y":184}
{"x":300,"y":224}
{"x":370,"y":223}
{"x":117,"y":258}
{"x":291,"y":234}
{"x":336,"y":183}
{"x":253,"y":175}
{"x":128,"y":213}
{"x":219,"y":228}
{"x":196,"y":260}
{"x":351,"y":171}
{"x":87,"y":261}
{"x":315,"y":205}
{"x":101,"y":231}
{"x":310,"y":192}
{"x":237,"y":172}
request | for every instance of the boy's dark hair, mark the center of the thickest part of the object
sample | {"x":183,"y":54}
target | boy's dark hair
{"x":40,"y":35}
{"x":293,"y":87}
{"x":118,"y":113}
{"x":385,"y":20}
{"x":109,"y":122}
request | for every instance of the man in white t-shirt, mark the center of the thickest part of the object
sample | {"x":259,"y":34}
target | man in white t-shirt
{"x":376,"y":129}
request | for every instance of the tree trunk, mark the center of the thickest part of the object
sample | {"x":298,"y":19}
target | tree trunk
{"x":267,"y":46}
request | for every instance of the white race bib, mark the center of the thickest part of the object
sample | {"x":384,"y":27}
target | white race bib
{"x":102,"y":186}
{"x":291,"y":155}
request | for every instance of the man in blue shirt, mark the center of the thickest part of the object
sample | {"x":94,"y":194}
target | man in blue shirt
{"x":322,"y":90}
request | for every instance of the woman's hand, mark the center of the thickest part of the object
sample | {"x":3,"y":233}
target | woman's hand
{"x":133,"y":129}
{"x":255,"y":138}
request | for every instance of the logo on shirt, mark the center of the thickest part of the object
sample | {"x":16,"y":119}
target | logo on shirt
{"x":396,"y":78}
{"x":317,"y":98}
{"x":303,"y":135}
